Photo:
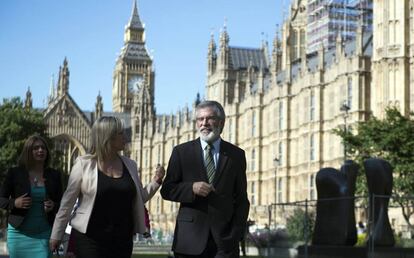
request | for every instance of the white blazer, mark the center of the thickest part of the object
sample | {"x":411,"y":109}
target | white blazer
{"x":83,"y":183}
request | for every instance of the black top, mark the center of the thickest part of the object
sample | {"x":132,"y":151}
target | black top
{"x":17,"y":183}
{"x":112,"y":211}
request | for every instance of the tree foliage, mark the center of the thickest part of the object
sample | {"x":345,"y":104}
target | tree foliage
{"x":300,"y":225}
{"x":16,"y":125}
{"x":391,"y":139}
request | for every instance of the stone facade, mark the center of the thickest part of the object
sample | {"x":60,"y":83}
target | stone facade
{"x":392,"y":59}
{"x":67,"y":123}
{"x":281,"y":106}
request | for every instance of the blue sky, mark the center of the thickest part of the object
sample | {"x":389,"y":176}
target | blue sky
{"x":35,"y":37}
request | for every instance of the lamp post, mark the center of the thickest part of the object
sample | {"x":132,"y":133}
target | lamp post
{"x":269,"y":207}
{"x":345,"y":108}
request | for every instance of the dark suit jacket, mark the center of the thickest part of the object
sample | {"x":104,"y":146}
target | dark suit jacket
{"x":17,"y":183}
{"x":223,"y":213}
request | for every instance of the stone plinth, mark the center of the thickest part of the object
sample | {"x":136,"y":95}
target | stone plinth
{"x":354,"y":252}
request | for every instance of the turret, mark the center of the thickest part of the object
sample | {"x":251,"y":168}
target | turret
{"x":261,"y":77}
{"x":52,"y":90}
{"x":339,"y":46}
{"x":359,"y":48}
{"x":286,"y":50}
{"x":63,"y":82}
{"x":224,"y":47}
{"x":276,"y":54}
{"x":98,"y":106}
{"x":321,"y":57}
{"x":28,"y":103}
{"x":212,"y":55}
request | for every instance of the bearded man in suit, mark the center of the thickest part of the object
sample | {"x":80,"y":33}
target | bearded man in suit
{"x":207,"y":176}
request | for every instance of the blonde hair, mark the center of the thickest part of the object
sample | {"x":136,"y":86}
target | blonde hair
{"x":103,"y":131}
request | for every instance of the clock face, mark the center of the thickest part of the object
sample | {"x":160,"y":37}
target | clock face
{"x":135,"y":83}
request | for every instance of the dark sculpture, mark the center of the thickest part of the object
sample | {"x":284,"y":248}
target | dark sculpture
{"x":335,"y":217}
{"x":379,"y":179}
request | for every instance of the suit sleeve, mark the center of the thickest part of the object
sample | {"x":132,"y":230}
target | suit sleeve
{"x":173,"y":188}
{"x":242,"y":204}
{"x":68,"y":201}
{"x":149,"y":190}
{"x":6,"y":201}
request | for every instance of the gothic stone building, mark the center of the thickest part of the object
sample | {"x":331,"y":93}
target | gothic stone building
{"x":281,"y":106}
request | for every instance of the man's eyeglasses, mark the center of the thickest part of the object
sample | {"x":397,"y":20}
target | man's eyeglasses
{"x":208,"y":119}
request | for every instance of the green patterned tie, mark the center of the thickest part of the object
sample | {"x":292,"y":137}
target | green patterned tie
{"x":211,"y":170}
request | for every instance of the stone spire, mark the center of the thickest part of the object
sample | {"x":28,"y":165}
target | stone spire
{"x":277,"y":53}
{"x":212,"y":46}
{"x":265,"y":48}
{"x":224,"y":47}
{"x":28,"y":103}
{"x":52,"y":89}
{"x":212,"y":55}
{"x":197,"y":99}
{"x":134,"y":30}
{"x":98,"y":106}
{"x":63,"y":82}
{"x":224,"y":37}
{"x":321,"y":57}
{"x":339,"y":46}
{"x":359,"y":50}
{"x":135,"y":21}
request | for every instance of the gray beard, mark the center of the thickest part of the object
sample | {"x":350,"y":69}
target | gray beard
{"x":211,"y":137}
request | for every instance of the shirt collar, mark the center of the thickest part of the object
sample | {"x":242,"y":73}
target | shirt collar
{"x":216,"y":144}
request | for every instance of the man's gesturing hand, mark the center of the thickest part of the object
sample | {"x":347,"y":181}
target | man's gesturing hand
{"x":202,"y":188}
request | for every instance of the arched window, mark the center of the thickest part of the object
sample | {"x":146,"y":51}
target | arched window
{"x":146,"y":158}
{"x":279,"y":190}
{"x":295,"y":45}
{"x":349,"y":92}
{"x":312,"y":107}
{"x":280,"y":153}
{"x":159,"y":154}
{"x":253,"y":193}
{"x":253,"y":123}
{"x":312,"y":187}
{"x":253,"y":160}
{"x":302,"y":42}
{"x":311,"y":147}
{"x":280,"y":115}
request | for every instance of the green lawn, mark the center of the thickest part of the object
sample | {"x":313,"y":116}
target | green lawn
{"x":165,"y":256}
{"x":159,"y":256}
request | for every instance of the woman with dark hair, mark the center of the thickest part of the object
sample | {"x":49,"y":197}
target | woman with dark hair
{"x":110,"y":197}
{"x":31,"y":194}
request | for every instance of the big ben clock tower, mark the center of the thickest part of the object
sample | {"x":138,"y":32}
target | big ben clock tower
{"x":133,"y":66}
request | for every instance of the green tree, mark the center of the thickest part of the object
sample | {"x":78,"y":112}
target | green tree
{"x":391,"y":139}
{"x":300,"y":225}
{"x":16,"y":125}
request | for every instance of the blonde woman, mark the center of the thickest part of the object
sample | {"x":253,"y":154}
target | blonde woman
{"x":110,"y":197}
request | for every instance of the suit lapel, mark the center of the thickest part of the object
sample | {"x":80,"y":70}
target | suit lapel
{"x":223,"y":158}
